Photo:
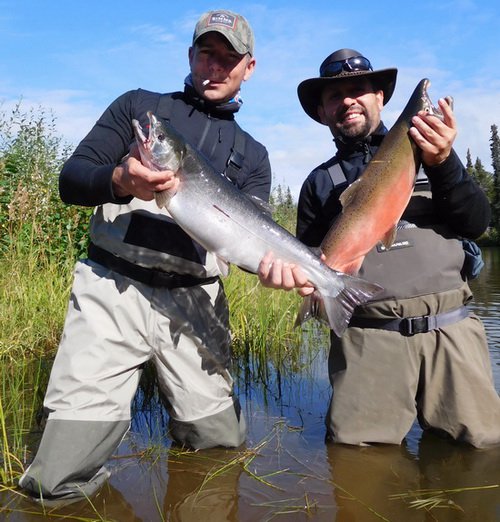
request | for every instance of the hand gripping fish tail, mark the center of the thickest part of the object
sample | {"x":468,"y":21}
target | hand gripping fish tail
{"x":336,"y":310}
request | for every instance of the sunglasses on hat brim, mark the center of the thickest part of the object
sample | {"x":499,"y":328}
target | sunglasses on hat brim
{"x":356,"y":63}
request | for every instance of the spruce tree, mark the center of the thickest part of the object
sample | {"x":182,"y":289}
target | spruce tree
{"x":468,"y":165}
{"x":483,"y":178}
{"x":495,"y":160}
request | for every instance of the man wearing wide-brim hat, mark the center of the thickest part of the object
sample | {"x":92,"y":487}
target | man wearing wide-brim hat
{"x":414,"y":350}
{"x":338,"y":67}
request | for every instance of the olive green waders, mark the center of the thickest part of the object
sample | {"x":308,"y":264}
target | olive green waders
{"x":383,"y":380}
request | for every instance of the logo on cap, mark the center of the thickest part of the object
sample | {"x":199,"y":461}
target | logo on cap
{"x":224,"y":19}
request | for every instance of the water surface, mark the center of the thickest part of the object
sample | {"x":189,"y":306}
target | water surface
{"x":287,"y":472}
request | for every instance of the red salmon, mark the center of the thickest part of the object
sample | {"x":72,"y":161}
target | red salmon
{"x":374,"y":203}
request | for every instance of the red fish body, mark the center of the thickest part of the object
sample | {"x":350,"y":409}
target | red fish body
{"x":374,"y":203}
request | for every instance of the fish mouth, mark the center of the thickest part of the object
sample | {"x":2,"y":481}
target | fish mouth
{"x":143,"y":143}
{"x":139,"y":134}
{"x":428,"y":106}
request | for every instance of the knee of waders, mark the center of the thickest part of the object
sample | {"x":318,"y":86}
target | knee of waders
{"x":226,"y":428}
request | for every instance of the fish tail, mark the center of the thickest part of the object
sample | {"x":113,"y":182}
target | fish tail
{"x":336,"y":310}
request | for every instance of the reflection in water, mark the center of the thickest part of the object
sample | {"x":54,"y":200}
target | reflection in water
{"x":384,"y":479}
{"x":288,"y":473}
{"x":202,"y":486}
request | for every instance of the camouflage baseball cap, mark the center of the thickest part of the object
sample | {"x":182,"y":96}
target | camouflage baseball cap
{"x":231,"y":25}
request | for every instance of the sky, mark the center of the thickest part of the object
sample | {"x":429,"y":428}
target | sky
{"x":73,"y":58}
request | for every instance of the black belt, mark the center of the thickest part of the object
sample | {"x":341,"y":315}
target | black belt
{"x":149,"y":276}
{"x":412,"y":325}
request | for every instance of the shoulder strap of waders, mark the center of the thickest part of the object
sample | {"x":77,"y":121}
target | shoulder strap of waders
{"x":235,"y":160}
{"x":337,"y":174}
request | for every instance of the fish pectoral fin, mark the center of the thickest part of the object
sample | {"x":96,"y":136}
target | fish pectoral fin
{"x":351,"y":268}
{"x":222,"y":265}
{"x":311,"y":308}
{"x":390,"y":237}
{"x":163,"y":198}
{"x":349,"y":193}
{"x":261,"y":205}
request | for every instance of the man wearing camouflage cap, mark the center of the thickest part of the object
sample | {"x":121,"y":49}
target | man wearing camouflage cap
{"x":147,"y":291}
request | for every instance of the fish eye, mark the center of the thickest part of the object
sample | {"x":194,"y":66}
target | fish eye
{"x":161,"y":137}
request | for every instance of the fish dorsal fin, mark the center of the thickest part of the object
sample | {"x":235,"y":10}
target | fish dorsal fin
{"x":349,"y":193}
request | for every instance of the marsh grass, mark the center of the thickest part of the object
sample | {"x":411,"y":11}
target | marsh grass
{"x":34,"y":288}
{"x":19,"y":402}
{"x":291,"y":506}
{"x":428,"y":499}
{"x":262,"y":323}
{"x":33,"y":295}
{"x":33,"y":299}
{"x":243,"y":459}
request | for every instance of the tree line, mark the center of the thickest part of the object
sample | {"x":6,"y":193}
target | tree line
{"x":489,"y":181}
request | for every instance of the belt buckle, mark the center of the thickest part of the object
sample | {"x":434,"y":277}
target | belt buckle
{"x":413,"y":325}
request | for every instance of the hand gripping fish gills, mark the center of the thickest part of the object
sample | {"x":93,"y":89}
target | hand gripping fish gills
{"x":227,"y":222}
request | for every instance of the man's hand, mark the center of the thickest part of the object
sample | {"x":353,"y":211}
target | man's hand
{"x":434,"y":137}
{"x":132,"y":178}
{"x":274,"y":273}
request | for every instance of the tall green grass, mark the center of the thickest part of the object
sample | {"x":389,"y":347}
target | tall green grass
{"x":33,"y":297}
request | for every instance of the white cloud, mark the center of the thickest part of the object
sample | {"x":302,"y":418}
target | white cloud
{"x":295,"y":150}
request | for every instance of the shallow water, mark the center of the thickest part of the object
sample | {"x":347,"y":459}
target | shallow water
{"x":287,"y":472}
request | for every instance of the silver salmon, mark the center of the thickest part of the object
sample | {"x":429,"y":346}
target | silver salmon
{"x":228,"y":223}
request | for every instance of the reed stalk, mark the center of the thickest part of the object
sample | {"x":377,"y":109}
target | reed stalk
{"x":429,"y":499}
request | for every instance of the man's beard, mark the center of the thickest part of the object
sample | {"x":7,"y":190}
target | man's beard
{"x":352,"y":133}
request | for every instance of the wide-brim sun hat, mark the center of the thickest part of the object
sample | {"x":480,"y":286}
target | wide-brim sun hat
{"x":337,"y":67}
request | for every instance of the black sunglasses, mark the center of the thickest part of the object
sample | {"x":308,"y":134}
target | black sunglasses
{"x":356,"y":63}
